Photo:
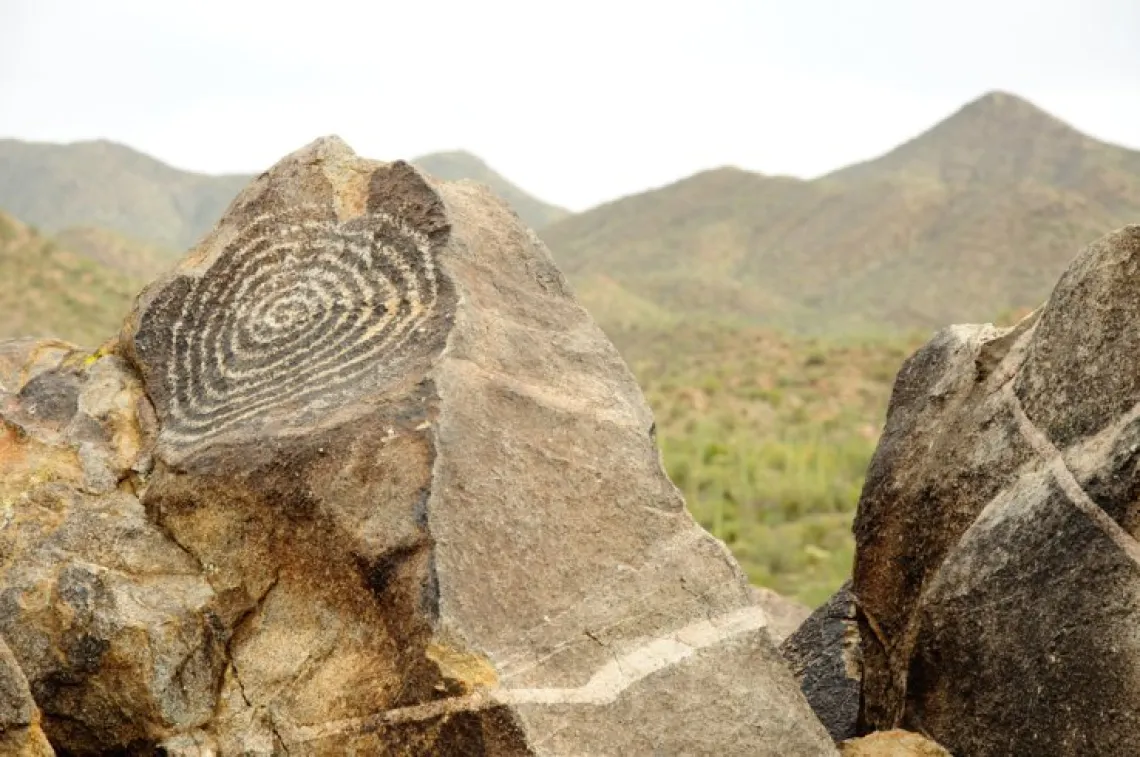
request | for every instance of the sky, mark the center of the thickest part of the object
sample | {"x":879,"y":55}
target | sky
{"x":576,"y":102}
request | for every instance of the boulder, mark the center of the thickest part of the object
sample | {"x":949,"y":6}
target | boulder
{"x":784,"y":615}
{"x":997,"y":565}
{"x":893,"y":743}
{"x":824,"y":654}
{"x":360,"y":476}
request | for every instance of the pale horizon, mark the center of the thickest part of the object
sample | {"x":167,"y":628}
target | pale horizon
{"x":577,"y":108}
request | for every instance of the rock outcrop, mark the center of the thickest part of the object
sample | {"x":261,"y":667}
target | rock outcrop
{"x":111,"y":625}
{"x":361,"y":476}
{"x":825,"y":655}
{"x":997,"y":564}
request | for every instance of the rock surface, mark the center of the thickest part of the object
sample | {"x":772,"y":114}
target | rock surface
{"x":893,"y":743}
{"x":361,"y":476}
{"x":784,"y":615}
{"x":825,"y":656}
{"x":20,"y":732}
{"x":997,"y":565}
{"x":110,"y":623}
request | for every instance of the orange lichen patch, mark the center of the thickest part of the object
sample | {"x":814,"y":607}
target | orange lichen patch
{"x":471,"y":671}
{"x":26,"y":463}
{"x":12,"y":452}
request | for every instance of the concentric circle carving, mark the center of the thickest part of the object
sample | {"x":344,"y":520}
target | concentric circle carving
{"x":296,"y":307}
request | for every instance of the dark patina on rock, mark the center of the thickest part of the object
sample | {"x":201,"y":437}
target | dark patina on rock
{"x":997,"y":564}
{"x":826,"y":658}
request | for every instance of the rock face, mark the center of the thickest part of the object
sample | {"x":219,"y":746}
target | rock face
{"x":825,"y":656}
{"x":997,"y":565}
{"x":361,"y":476}
{"x":110,"y":624}
{"x":20,"y":732}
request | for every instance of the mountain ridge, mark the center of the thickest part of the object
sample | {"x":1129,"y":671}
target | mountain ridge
{"x":974,"y":216}
{"x":105,"y":184}
{"x":977,"y":215}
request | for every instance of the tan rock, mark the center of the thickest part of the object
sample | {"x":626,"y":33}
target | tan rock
{"x":784,"y":615}
{"x":894,"y":743}
{"x":109,"y":620}
{"x":20,"y":732}
{"x":393,"y":492}
{"x":997,"y":565}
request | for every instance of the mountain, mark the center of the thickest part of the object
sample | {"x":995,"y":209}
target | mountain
{"x":110,"y":186}
{"x":976,"y":216}
{"x":454,"y":165}
{"x":48,"y":291}
{"x":1003,"y":139}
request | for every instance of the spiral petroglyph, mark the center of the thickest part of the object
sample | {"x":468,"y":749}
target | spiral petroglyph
{"x":297,"y":308}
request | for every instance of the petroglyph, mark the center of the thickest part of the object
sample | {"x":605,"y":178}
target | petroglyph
{"x":296,"y":308}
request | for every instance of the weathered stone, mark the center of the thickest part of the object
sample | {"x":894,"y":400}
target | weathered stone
{"x":784,"y":615}
{"x":109,"y":620}
{"x":825,"y":656}
{"x":997,"y":565}
{"x":894,"y":743}
{"x":361,"y":476}
{"x":20,"y":732}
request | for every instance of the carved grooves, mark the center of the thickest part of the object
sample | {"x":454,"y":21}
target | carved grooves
{"x":296,"y":306}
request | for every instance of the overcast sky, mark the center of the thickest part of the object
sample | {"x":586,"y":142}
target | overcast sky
{"x":577,"y":102}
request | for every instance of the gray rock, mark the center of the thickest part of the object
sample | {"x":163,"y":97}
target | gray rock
{"x":997,"y":565}
{"x":825,"y":656}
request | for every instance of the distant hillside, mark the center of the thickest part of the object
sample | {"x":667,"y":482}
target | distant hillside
{"x":452,"y":166}
{"x":978,"y":215}
{"x":51,"y":292}
{"x":138,"y":260}
{"x":110,"y":186}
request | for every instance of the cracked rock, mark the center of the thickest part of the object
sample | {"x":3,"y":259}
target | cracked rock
{"x":997,"y":566}
{"x":391,"y":491}
{"x":111,"y":624}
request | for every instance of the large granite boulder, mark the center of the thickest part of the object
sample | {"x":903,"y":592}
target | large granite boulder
{"x":360,"y":476}
{"x":997,"y":565}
